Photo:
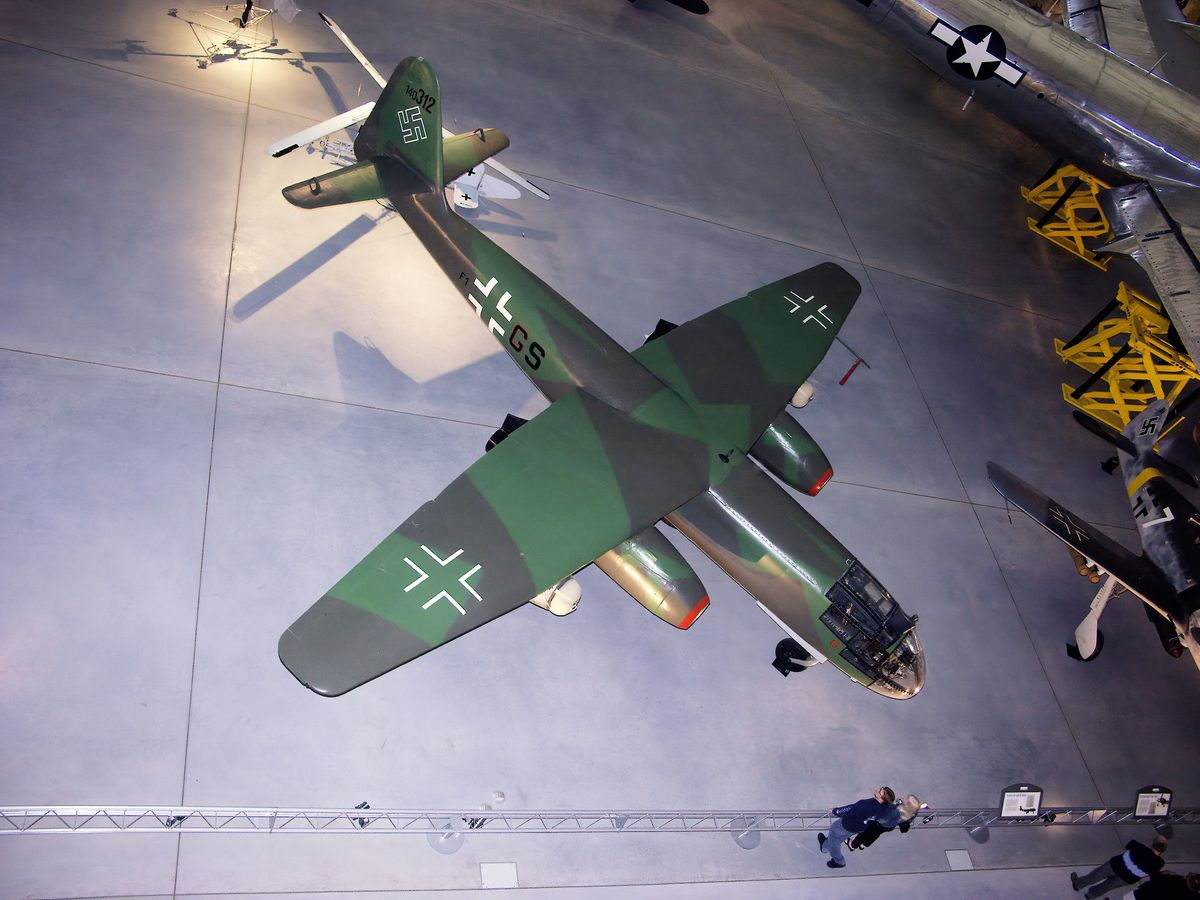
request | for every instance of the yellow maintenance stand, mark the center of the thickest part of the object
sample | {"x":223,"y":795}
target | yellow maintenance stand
{"x":1072,"y":211}
{"x":1130,"y":358}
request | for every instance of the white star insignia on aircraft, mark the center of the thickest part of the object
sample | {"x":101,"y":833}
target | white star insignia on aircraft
{"x":976,"y":54}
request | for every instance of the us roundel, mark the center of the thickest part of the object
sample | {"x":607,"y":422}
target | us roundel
{"x":977,"y":53}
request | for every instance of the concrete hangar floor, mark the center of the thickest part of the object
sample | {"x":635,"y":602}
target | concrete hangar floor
{"x":214,"y":404}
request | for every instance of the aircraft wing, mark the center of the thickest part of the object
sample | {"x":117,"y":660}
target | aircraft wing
{"x":323,"y":129}
{"x":1135,"y":572}
{"x":1159,"y":226}
{"x":1118,"y":25}
{"x":739,"y":364}
{"x":562,"y":490}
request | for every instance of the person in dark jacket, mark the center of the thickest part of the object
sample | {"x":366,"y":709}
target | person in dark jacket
{"x":1170,"y":886}
{"x":851,"y":820}
{"x":898,"y":815}
{"x":1137,"y":862}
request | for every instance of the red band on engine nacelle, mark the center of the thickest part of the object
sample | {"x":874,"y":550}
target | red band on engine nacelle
{"x":816,"y":488}
{"x":695,"y":613}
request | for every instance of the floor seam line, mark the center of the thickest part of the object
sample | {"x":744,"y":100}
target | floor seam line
{"x":211,"y":458}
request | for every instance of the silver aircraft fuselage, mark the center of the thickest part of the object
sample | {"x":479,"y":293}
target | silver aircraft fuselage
{"x":1074,"y":97}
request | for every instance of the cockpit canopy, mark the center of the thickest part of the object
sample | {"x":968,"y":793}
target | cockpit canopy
{"x":879,"y":639}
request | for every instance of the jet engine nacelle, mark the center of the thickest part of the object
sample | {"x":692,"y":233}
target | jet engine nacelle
{"x":789,"y":453}
{"x":653,"y":573}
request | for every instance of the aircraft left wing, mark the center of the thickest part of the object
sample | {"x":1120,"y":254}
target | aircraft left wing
{"x":1159,"y":226}
{"x":739,"y":364}
{"x":562,"y":490}
{"x":1135,"y":572}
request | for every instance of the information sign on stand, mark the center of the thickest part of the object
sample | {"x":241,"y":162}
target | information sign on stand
{"x":1153,"y":802}
{"x":1020,"y":801}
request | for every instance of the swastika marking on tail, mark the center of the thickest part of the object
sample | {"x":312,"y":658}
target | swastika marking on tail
{"x":412,"y":126}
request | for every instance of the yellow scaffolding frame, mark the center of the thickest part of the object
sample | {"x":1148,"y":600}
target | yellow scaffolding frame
{"x":1073,"y":214}
{"x":1130,"y":359}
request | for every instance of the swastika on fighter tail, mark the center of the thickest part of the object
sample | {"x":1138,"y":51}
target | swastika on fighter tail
{"x":412,"y":126}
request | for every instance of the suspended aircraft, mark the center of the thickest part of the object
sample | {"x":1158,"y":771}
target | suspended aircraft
{"x":1166,"y":576}
{"x":676,"y":430}
{"x":1088,"y":105}
{"x":468,"y":181}
{"x":234,"y":30}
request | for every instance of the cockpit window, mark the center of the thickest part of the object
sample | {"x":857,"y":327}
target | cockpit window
{"x":870,"y":624}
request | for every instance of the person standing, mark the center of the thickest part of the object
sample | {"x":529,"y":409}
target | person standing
{"x":1137,"y":862}
{"x":899,"y":815}
{"x":851,"y":820}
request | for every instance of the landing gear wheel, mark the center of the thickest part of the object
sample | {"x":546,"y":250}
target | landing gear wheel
{"x":1073,"y":650}
{"x":790,"y":657}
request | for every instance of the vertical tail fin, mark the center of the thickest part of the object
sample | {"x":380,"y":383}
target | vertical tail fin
{"x":406,"y":123}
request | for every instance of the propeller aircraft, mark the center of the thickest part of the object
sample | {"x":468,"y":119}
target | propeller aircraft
{"x":1166,"y":576}
{"x":676,"y":430}
{"x":1068,"y":91}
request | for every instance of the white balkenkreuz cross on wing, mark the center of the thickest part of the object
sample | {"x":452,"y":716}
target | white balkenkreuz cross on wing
{"x":819,"y":316}
{"x":440,"y":577}
{"x":1064,"y":518}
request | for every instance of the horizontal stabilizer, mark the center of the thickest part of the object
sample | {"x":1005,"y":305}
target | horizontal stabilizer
{"x":463,"y":152}
{"x":382,"y":82}
{"x":373,"y":179}
{"x":320,"y":130}
{"x":1135,"y":572}
{"x":1102,"y":431}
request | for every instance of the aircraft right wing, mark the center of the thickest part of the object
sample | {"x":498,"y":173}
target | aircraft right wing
{"x":565,"y":488}
{"x":1135,"y":572}
{"x":1159,"y":226}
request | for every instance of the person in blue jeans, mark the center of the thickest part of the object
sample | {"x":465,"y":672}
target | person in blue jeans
{"x":851,"y":820}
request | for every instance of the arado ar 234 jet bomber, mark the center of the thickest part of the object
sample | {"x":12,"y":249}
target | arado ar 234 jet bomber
{"x":665,"y":432}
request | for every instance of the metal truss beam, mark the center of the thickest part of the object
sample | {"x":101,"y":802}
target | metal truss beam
{"x":211,"y":820}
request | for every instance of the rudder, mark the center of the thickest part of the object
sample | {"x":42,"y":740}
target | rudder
{"x":406,"y":123}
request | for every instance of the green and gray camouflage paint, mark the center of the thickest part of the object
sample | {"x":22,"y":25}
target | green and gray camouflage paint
{"x":629,"y":438}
